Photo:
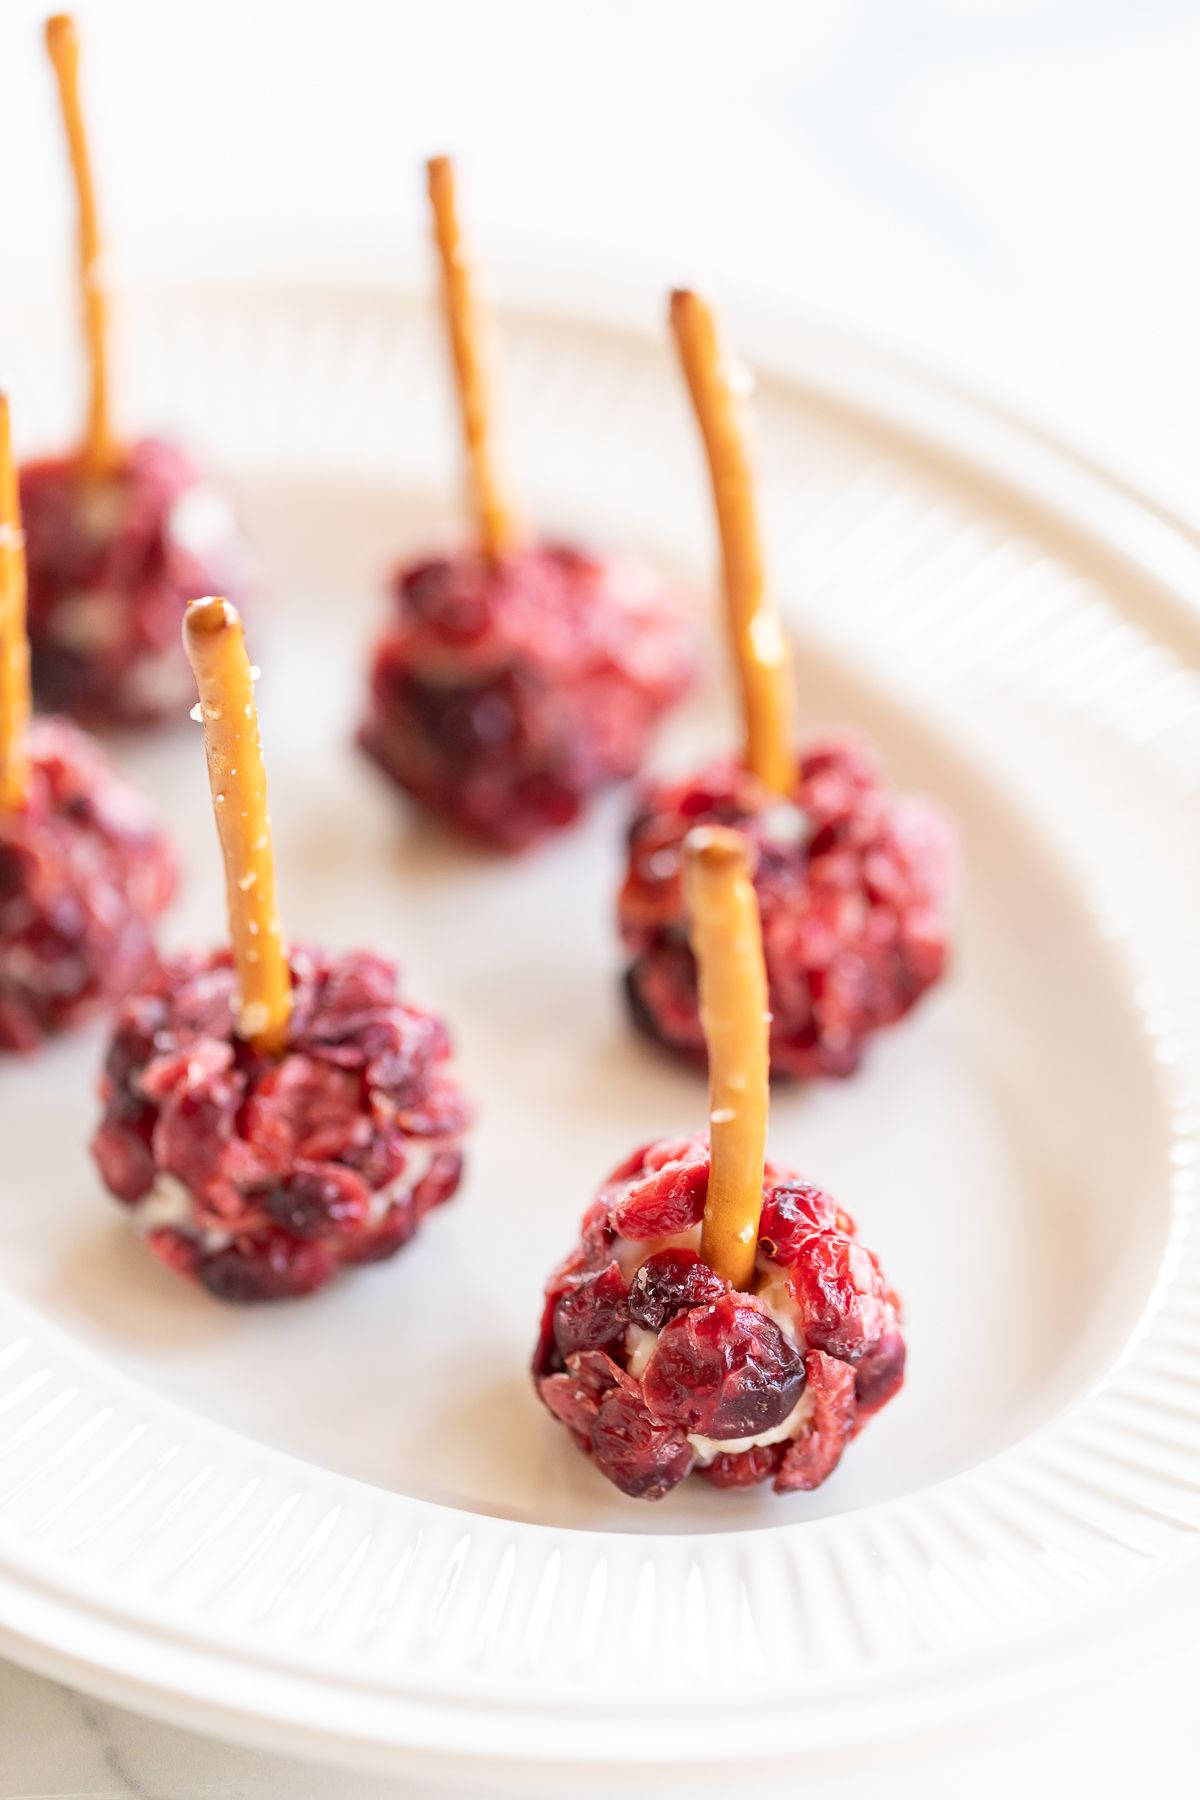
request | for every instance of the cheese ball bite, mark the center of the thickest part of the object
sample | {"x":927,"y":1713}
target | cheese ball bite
{"x":119,"y":536}
{"x":518,"y":677}
{"x":719,"y":1315}
{"x":114,"y":557}
{"x":506,"y":693}
{"x":84,"y":869}
{"x":271,"y":1114}
{"x":855,"y":882}
{"x":259,"y":1176}
{"x":660,"y":1369}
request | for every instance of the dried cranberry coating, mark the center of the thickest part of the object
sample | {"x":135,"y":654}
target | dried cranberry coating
{"x":854,"y":884}
{"x":504,"y":696}
{"x":113,"y":561}
{"x":260,"y":1177}
{"x":659,"y":1369}
{"x":84,"y":870}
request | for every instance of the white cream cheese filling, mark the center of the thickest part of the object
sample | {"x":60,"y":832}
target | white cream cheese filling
{"x":708,"y":1449}
{"x":170,"y":1205}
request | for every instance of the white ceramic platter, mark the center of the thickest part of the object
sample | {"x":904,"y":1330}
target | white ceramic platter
{"x":343,"y":1526}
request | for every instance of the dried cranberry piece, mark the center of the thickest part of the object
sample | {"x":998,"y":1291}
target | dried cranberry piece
{"x":668,"y":1201}
{"x":570,"y":1403}
{"x":356,"y":992}
{"x":745,"y":1468}
{"x":811,"y":1458}
{"x":193,"y":1131}
{"x":266,"y":1265}
{"x":596,"y":1234}
{"x":397,"y":1227}
{"x":545,"y":1355}
{"x":122,"y":1148}
{"x":790,"y":1214}
{"x":879,"y":1375}
{"x":841,"y":1294}
{"x":176,"y":1250}
{"x":668,"y":1283}
{"x":574,"y":1396}
{"x":440,"y":1181}
{"x":724,"y":1370}
{"x":308,"y":1109}
{"x":319,"y":1200}
{"x":593,"y":1313}
{"x":640,"y":1454}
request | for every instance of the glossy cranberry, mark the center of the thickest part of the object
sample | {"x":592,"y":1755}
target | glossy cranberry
{"x":597,"y":1234}
{"x":854,"y":885}
{"x":126,"y":1157}
{"x":745,"y":1468}
{"x":640,"y":1454}
{"x":303,"y":1109}
{"x":670,"y":1282}
{"x":724,"y":1370}
{"x":266,"y":1265}
{"x":574,"y":1395}
{"x":376,"y":1243}
{"x":667,"y":1200}
{"x":811,"y":1458}
{"x":177,"y":1251}
{"x":441,"y":1180}
{"x":592,"y":1315}
{"x":319,"y":1201}
{"x":504,"y":695}
{"x":879,"y":1375}
{"x":841,"y":1294}
{"x":789,"y":1215}
{"x":331,"y":1155}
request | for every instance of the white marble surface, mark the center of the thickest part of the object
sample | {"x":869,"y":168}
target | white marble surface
{"x":57,"y":1743}
{"x":1007,"y":186}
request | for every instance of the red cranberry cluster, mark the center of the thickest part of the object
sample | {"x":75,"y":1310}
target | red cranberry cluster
{"x":113,"y":560}
{"x":854,"y":885}
{"x":653,"y":1363}
{"x":260,"y":1176}
{"x":503,"y":696}
{"x":83,"y":871}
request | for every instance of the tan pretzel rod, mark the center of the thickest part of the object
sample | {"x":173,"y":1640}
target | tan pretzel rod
{"x":727,"y":940}
{"x":759,"y":646}
{"x":474,"y":360}
{"x":216,"y":647}
{"x":14,"y":639}
{"x":62,"y":43}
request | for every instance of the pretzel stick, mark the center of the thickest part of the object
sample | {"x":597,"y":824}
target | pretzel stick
{"x":727,"y":941}
{"x":62,"y":43}
{"x":759,"y":646}
{"x":14,"y":639}
{"x":216,"y":647}
{"x":471,"y":343}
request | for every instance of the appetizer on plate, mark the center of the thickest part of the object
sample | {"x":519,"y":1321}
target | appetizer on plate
{"x":84,"y":869}
{"x":854,"y":881}
{"x":120,"y":536}
{"x":271,"y":1113}
{"x":719,"y":1315}
{"x":519,"y":676}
